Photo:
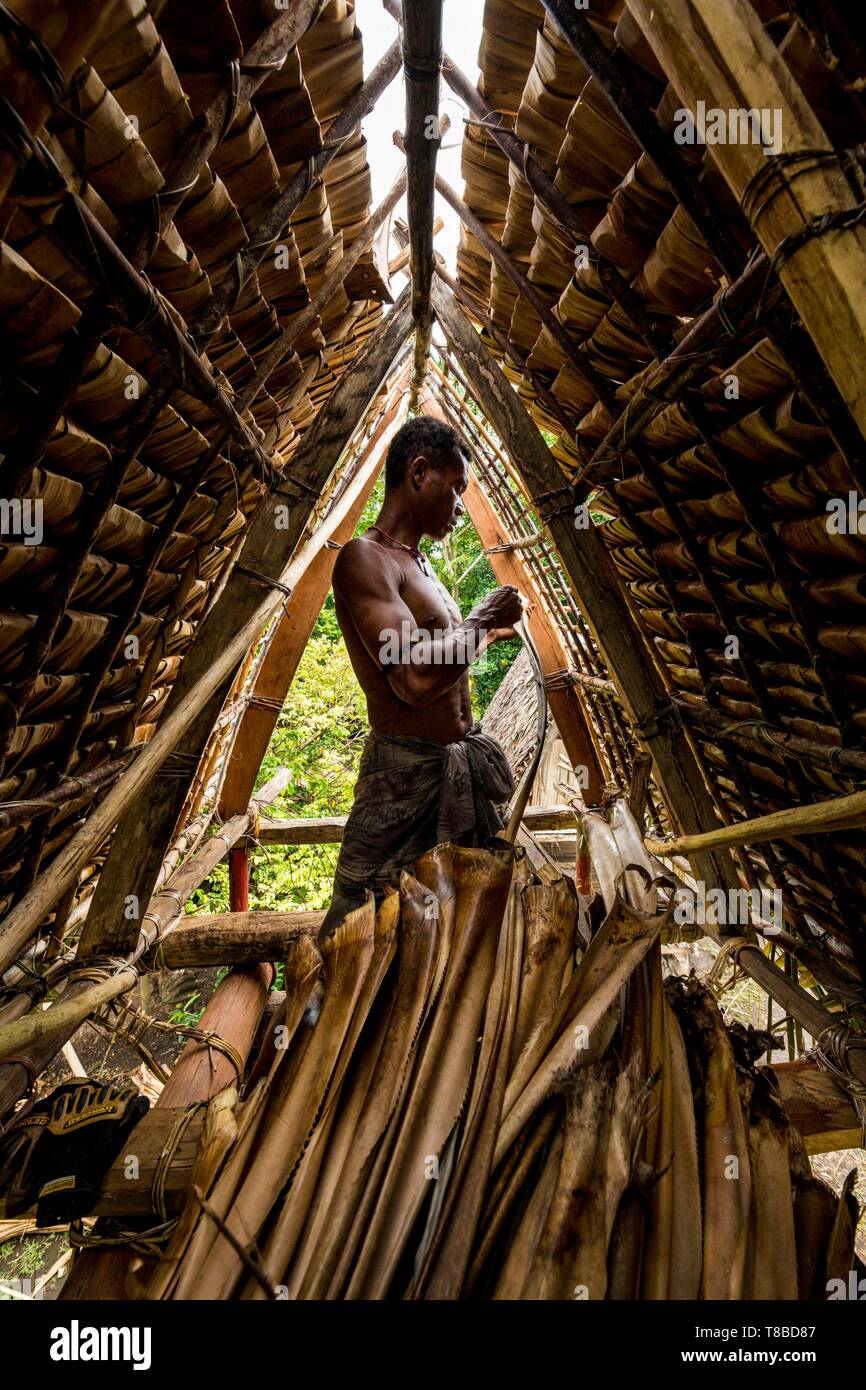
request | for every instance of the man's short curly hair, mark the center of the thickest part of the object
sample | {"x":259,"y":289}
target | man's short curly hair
{"x":420,"y":436}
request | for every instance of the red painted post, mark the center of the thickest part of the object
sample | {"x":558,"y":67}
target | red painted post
{"x":239,"y":880}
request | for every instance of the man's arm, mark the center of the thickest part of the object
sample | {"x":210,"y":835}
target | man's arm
{"x":424,"y":668}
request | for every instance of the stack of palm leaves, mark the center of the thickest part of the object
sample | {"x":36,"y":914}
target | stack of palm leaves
{"x":492,"y":1104}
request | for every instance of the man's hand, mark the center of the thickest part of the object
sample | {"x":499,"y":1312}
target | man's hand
{"x":498,"y":612}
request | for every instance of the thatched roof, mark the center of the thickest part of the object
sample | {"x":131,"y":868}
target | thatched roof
{"x":510,"y":716}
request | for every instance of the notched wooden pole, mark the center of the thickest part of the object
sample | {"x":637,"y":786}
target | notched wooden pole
{"x":422,"y":64}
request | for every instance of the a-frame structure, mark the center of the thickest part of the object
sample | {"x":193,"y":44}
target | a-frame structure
{"x":204,"y":366}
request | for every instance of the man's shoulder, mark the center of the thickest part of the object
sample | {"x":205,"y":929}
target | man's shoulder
{"x":361,"y":558}
{"x":354,"y":554}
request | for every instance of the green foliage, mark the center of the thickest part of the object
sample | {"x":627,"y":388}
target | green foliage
{"x":213,"y":895}
{"x":184,"y":1014}
{"x":466,"y":572}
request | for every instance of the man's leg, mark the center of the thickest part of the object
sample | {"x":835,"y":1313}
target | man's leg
{"x":342,"y":901}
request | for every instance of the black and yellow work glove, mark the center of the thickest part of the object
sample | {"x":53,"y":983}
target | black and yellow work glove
{"x":58,"y":1152}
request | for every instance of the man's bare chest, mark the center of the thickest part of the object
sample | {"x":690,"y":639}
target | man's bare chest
{"x":428,"y":601}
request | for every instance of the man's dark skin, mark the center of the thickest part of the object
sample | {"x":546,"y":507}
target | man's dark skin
{"x":378,"y":587}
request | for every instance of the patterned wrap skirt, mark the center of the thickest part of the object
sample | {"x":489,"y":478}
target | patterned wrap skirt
{"x":412,"y":794}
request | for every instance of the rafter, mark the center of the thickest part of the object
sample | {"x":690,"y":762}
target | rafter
{"x":422,"y":60}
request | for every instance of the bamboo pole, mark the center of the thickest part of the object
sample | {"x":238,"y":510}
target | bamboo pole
{"x":641,"y":122}
{"x":67,"y":793}
{"x":275,"y":218}
{"x":162,"y":911}
{"x":422,"y":62}
{"x":102,"y":261}
{"x":32,"y":88}
{"x":304,"y":320}
{"x":840,"y":813}
{"x":688,"y":360}
{"x":66,"y":1015}
{"x":797,"y":348}
{"x":506,"y":347}
{"x":265,"y":56}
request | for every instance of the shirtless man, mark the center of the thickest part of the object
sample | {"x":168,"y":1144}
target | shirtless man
{"x":427,"y":773}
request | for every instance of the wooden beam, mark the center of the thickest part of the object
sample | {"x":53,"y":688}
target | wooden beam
{"x":231,"y":938}
{"x":422,"y":61}
{"x":237,"y":617}
{"x":723,"y":55}
{"x":507,"y":348}
{"x":596,"y":585}
{"x":844,"y":762}
{"x":793,"y":343}
{"x":328,"y":830}
{"x":201,"y":1071}
{"x":32,"y":88}
{"x":66,"y":794}
{"x":306,"y":318}
{"x":401,"y":261}
{"x":303,"y":830}
{"x":51,"y":1027}
{"x":265,"y":56}
{"x":276,"y":217}
{"x":689,"y":360}
{"x":108,"y":270}
{"x":290,"y":638}
{"x":120,"y":1196}
{"x":641,"y":121}
{"x":817,"y":1107}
